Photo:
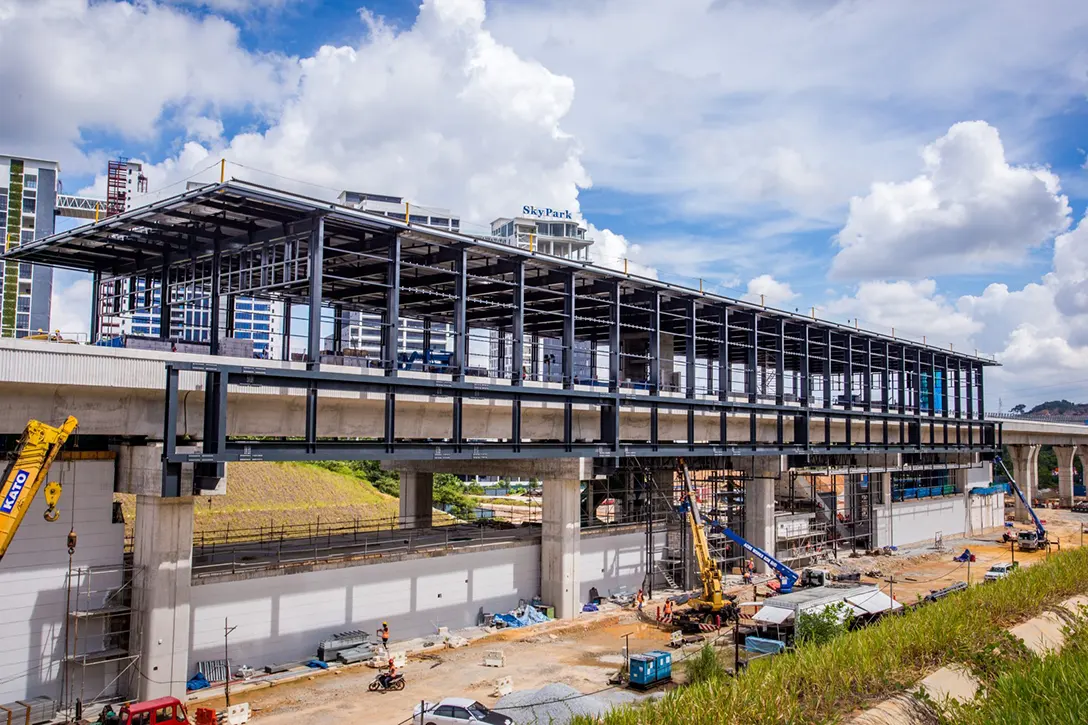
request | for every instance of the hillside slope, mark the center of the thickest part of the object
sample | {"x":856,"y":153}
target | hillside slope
{"x":264,"y":495}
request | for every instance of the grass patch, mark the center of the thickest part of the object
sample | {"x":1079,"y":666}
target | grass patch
{"x":1049,"y":690}
{"x":704,"y":666}
{"x":821,"y":683}
{"x":267,"y":496}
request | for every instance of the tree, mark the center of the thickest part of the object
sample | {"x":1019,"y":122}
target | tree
{"x":1018,"y":409}
{"x":449,"y":491}
{"x":823,"y":626}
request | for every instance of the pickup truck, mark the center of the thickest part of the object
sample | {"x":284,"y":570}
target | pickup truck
{"x":457,"y":711}
{"x":1000,"y":571}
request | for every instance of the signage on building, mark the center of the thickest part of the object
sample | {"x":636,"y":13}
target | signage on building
{"x":546,"y":212}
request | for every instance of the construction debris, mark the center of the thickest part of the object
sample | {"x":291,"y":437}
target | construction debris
{"x":521,"y":617}
{"x":213,"y":670}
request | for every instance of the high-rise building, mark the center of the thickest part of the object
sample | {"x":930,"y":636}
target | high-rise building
{"x":28,"y":197}
{"x":363,"y":331}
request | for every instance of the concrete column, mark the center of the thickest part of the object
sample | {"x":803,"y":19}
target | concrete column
{"x":162,"y":556}
{"x":1025,"y":469}
{"x":765,"y":472}
{"x":1065,"y":456}
{"x":416,"y":499}
{"x":561,"y":534}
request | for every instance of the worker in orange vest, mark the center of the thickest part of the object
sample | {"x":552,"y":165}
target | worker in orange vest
{"x":385,"y":635}
{"x":668,"y":611}
{"x":640,"y":599}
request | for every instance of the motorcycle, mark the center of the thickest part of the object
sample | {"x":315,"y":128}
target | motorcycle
{"x":383,"y":682}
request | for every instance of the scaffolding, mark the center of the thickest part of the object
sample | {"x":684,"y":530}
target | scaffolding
{"x":98,"y":633}
{"x":116,"y":186}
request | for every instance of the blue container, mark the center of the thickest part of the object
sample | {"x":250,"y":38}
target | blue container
{"x":643,"y":670}
{"x":663,"y":661}
{"x":764,"y":646}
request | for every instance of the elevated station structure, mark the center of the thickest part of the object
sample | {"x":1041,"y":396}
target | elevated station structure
{"x":749,"y":380}
{"x":845,"y":425}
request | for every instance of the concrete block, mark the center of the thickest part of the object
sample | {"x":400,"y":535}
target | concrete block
{"x":901,"y":710}
{"x":953,"y":682}
{"x":1043,"y":634}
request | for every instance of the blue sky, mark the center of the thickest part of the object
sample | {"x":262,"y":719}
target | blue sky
{"x":916,"y":165}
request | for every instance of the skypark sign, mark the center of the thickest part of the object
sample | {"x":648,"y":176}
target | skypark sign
{"x":546,"y":213}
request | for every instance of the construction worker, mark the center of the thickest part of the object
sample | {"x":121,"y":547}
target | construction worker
{"x":749,"y":570}
{"x":385,"y":636}
{"x":640,"y":599}
{"x":387,"y":678}
{"x":668,"y":611}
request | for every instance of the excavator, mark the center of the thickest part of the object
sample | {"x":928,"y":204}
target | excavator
{"x":34,"y":454}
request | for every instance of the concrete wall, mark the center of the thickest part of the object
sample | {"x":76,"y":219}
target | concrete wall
{"x":33,"y":584}
{"x":986,"y":514}
{"x":611,"y":562}
{"x":916,"y":522}
{"x":282,"y":617}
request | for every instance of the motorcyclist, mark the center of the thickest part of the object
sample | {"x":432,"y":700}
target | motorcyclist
{"x":386,"y":678}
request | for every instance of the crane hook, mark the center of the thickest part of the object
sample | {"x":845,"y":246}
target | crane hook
{"x":52,"y":497}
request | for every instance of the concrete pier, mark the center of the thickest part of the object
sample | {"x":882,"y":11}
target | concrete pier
{"x":416,"y":499}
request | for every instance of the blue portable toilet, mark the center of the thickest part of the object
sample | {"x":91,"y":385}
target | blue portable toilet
{"x":663,"y":662}
{"x":643,"y":670}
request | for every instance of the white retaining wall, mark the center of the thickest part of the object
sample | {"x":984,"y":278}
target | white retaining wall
{"x":281,"y":618}
{"x":33,"y":584}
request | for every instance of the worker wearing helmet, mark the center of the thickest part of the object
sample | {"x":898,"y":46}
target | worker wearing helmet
{"x":640,"y":599}
{"x":385,"y":635}
{"x":388,"y":677}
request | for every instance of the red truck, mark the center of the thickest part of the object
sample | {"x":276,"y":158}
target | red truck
{"x":153,"y":712}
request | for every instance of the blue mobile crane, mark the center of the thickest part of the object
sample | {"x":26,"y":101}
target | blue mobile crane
{"x":787,"y":577}
{"x":1026,"y":540}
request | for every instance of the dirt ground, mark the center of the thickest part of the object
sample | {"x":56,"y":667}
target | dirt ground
{"x":583,"y":654}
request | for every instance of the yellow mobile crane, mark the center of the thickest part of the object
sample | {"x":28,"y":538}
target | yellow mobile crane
{"x":34,"y":454}
{"x":713,"y":601}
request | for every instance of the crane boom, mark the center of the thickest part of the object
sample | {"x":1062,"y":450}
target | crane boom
{"x":708,"y":568}
{"x":34,"y":454}
{"x":788,"y":576}
{"x":1040,"y":530}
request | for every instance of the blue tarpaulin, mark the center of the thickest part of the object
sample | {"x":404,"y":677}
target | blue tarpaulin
{"x":318,"y":663}
{"x":530,"y":616}
{"x":198,"y":682}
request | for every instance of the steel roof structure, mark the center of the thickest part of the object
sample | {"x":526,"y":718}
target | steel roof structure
{"x":666,"y":346}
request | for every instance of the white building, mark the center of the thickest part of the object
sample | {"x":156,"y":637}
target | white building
{"x":28,"y":197}
{"x":544,"y":230}
{"x":363,"y":331}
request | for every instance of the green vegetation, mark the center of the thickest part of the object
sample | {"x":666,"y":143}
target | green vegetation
{"x":706,"y":666}
{"x":449,"y":490}
{"x":265,"y":499}
{"x":822,"y":682}
{"x":388,"y":482}
{"x":1053,"y":689}
{"x":825,"y":625}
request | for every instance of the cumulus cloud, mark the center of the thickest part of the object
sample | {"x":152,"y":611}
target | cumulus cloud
{"x":911,"y":309}
{"x":970,"y":210}
{"x":737,"y":107}
{"x":766,"y":289}
{"x":70,"y":306}
{"x":121,"y":67}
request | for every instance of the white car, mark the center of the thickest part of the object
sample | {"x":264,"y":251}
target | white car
{"x":1000,"y":571}
{"x":458,"y":711}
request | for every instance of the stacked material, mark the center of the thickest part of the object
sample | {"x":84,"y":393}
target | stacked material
{"x":40,"y":709}
{"x":356,"y":654}
{"x":213,"y":670}
{"x":330,"y":647}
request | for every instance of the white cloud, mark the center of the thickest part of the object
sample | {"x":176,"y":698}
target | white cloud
{"x":740,"y":107}
{"x":767,"y":290}
{"x":911,"y":310}
{"x":439,"y":113}
{"x":122,"y":68}
{"x":970,"y":211}
{"x":70,"y":309}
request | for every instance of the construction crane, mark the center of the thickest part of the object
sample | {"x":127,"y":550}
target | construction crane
{"x":1026,"y":540}
{"x":787,"y":577}
{"x":34,"y":454}
{"x":712,"y":601}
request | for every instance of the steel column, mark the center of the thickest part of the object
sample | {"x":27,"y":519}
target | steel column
{"x":164,"y":296}
{"x":655,"y":362}
{"x":753,"y":377}
{"x":780,"y":382}
{"x":689,"y":367}
{"x":517,"y":377}
{"x":213,"y":333}
{"x":610,"y":414}
{"x":724,"y":381}
{"x":391,"y":342}
{"x":459,"y":358}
